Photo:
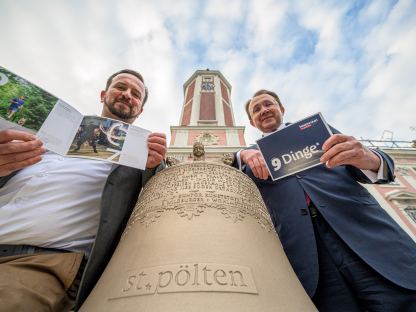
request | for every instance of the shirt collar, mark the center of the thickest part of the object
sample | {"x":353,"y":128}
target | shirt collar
{"x":280,"y":128}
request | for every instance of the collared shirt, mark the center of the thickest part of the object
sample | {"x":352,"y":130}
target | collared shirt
{"x":54,"y":203}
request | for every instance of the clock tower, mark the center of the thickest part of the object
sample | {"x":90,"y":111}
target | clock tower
{"x":207,"y":117}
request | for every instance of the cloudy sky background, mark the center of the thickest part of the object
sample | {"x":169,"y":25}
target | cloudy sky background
{"x":354,"y":61}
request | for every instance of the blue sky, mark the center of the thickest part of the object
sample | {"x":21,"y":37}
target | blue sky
{"x":354,"y":61}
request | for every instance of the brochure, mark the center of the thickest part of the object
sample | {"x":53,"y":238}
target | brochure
{"x":64,"y":130}
{"x":296,"y":147}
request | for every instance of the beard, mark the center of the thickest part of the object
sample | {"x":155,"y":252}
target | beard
{"x":120,"y":111}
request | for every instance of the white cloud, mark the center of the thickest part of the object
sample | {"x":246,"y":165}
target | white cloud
{"x":362,"y":81}
{"x":390,"y":91}
{"x":324,"y":18}
{"x":230,"y":10}
{"x":265,"y":29}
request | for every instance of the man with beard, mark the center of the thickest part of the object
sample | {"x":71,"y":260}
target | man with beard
{"x":61,"y":217}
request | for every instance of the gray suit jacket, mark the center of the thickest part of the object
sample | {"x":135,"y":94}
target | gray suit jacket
{"x":119,"y":196}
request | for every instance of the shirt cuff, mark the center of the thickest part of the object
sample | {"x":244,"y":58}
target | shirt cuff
{"x":237,"y":156}
{"x":376,"y":176}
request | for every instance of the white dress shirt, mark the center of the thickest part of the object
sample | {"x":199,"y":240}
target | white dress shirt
{"x":54,"y":203}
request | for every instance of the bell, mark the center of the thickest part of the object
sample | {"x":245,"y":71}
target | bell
{"x":199,"y":239}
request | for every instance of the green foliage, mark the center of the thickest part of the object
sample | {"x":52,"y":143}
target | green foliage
{"x":38,"y":103}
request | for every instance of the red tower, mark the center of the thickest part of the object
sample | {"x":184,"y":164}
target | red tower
{"x":207,"y":117}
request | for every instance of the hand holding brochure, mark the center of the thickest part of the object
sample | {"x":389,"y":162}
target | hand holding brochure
{"x":64,"y":130}
{"x":296,"y":147}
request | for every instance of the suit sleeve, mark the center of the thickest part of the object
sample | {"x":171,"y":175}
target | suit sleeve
{"x":388,"y":171}
{"x":235,"y":161}
{"x":3,"y":180}
{"x":388,"y":168}
{"x":148,"y":173}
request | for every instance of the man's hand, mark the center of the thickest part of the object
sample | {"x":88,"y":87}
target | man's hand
{"x":18,"y":149}
{"x":341,"y":149}
{"x":255,"y":161}
{"x":156,"y":143}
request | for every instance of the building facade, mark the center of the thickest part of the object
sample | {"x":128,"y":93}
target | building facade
{"x":207,"y":117}
{"x":398,"y":198}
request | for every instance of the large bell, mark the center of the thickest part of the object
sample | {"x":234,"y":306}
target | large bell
{"x":200,"y":239}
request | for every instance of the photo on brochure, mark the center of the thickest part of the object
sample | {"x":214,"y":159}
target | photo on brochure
{"x":23,"y":103}
{"x":99,"y":137}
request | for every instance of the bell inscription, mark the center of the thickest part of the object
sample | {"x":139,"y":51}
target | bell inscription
{"x":199,"y":239}
{"x":201,"y":186}
{"x":189,"y":277}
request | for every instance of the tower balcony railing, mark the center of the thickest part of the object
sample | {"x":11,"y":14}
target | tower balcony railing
{"x":390,"y":144}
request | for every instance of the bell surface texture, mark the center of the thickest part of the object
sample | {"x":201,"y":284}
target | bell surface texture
{"x":199,"y":239}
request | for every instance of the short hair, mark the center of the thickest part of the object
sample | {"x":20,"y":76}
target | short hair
{"x":260,"y":92}
{"x":131,"y":72}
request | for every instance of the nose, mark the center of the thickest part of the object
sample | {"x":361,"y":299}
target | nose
{"x":264,"y":110}
{"x":127,"y":94}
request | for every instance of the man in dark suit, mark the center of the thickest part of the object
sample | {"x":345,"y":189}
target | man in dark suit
{"x":347,"y":252}
{"x":61,"y":217}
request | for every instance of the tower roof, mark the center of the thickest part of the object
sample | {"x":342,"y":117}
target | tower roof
{"x":206,"y":72}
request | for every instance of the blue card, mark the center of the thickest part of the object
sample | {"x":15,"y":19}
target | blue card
{"x":296,"y":147}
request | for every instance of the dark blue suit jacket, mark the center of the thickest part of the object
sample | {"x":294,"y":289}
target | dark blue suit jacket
{"x":352,"y":213}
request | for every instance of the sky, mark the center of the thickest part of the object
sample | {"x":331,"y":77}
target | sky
{"x":353,"y":61}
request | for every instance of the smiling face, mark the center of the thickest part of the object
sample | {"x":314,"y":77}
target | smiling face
{"x":123,"y":100}
{"x":266,"y":113}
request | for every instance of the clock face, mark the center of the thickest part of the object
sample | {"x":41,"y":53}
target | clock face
{"x":207,"y":86}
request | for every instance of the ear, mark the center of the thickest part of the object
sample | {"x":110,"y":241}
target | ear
{"x":141,"y":111}
{"x":252,"y":123}
{"x":102,"y":95}
{"x":282,"y":109}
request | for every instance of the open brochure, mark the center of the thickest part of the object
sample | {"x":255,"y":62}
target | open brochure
{"x":64,"y":130}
